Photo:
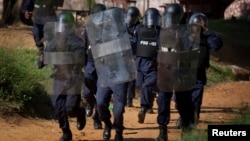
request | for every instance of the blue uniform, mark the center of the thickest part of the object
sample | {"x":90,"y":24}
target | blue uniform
{"x":146,"y":63}
{"x":183,"y":98}
{"x":132,"y":84}
{"x":90,"y":86}
{"x":103,"y":97}
{"x":68,"y":81}
{"x":40,"y":17}
{"x":209,"y":41}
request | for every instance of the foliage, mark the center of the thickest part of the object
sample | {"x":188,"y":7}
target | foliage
{"x":196,"y":135}
{"x":217,"y":73}
{"x":232,"y":31}
{"x":20,"y":81}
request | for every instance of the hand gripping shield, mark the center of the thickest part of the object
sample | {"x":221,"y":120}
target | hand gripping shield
{"x":177,"y":58}
{"x":64,"y":49}
{"x":110,"y":46}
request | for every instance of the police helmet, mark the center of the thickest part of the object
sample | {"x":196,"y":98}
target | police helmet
{"x":97,"y":8}
{"x":132,"y":15}
{"x":152,"y":17}
{"x":196,"y":19}
{"x":172,"y":15}
{"x":65,"y":21}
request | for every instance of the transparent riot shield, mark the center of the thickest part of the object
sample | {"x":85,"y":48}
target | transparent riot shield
{"x":65,"y":51}
{"x":110,"y":46}
{"x":178,"y":58}
{"x":74,"y":5}
{"x":59,"y":44}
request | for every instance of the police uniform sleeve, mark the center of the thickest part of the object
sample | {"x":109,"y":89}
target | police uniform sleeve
{"x":214,"y":42}
{"x":28,"y":6}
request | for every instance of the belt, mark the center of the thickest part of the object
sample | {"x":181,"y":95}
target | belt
{"x":39,"y":6}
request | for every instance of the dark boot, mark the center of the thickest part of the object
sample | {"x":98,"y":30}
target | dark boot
{"x":107,"y":130}
{"x":97,"y":124}
{"x":89,"y":110}
{"x":142,"y":114}
{"x":118,"y":136}
{"x":130,"y":102}
{"x":81,"y":119}
{"x":163,"y":133}
{"x":67,"y":135}
{"x":150,"y":111}
{"x":40,"y":61}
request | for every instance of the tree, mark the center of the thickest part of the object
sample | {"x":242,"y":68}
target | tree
{"x":12,"y":11}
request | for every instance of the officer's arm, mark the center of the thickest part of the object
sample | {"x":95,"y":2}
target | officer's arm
{"x":214,"y":42}
{"x":28,"y":6}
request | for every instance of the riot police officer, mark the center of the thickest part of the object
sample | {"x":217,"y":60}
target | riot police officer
{"x":170,"y":71}
{"x":132,"y":20}
{"x":209,"y":42}
{"x":66,"y":52}
{"x":146,"y":54}
{"x":90,"y":87}
{"x":115,"y":66}
{"x":41,"y":12}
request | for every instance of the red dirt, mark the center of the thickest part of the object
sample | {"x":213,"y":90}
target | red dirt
{"x":221,"y":103}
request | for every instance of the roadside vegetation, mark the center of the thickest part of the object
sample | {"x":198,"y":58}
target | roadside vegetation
{"x":24,"y":89}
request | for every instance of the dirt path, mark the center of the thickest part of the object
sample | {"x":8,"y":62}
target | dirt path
{"x":221,"y":103}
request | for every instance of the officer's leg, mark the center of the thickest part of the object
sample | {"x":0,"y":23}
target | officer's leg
{"x":150,"y":110}
{"x":163,"y":118}
{"x":37,"y":31}
{"x":185,"y":108}
{"x":147,"y":94}
{"x":178,"y":121}
{"x":89,"y":95}
{"x":197,"y":96}
{"x":58,"y":102}
{"x":119,"y":97}
{"x":103,"y":97}
{"x":73,"y":109}
{"x":130,"y":93}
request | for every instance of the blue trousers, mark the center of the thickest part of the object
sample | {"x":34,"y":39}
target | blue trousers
{"x":184,"y":106}
{"x":103,"y":98}
{"x":66,"y":100}
{"x":197,"y":96}
{"x":131,"y":89}
{"x":37,"y":31}
{"x":146,"y":82}
{"x":90,"y":87}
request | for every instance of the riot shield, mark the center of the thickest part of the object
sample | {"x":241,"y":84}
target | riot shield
{"x":65,"y":51}
{"x":110,"y":46}
{"x":58,"y":44}
{"x":177,"y":58}
{"x":73,"y":5}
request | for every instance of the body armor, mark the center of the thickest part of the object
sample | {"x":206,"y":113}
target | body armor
{"x":147,"y":44}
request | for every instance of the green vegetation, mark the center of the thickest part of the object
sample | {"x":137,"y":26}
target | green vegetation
{"x":217,"y":73}
{"x":232,"y":31}
{"x":21,"y":83}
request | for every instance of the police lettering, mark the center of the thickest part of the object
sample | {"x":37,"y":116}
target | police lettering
{"x":148,"y":43}
{"x":216,"y":132}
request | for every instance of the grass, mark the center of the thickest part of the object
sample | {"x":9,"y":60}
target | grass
{"x":21,"y":83}
{"x":217,"y":73}
{"x":232,"y":32}
{"x":25,"y":89}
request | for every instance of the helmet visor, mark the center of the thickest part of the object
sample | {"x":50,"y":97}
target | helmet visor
{"x":152,"y":20}
{"x":170,"y":20}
